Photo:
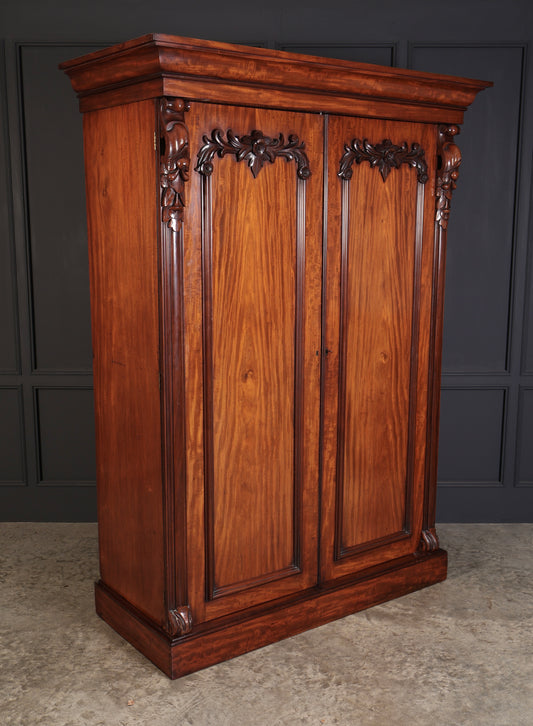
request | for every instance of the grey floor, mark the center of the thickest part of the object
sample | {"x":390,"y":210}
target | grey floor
{"x":457,"y":654}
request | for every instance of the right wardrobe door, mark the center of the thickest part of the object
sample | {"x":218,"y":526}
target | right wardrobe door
{"x":377,"y":339}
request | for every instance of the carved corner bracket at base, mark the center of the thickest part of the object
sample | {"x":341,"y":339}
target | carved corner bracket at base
{"x":429,"y":542}
{"x":449,"y":158}
{"x":180,"y":620}
{"x":174,"y":160}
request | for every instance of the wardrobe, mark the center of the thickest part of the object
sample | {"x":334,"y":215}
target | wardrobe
{"x":267,"y":239}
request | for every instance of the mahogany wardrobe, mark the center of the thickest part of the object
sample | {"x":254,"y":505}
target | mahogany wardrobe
{"x":267,"y":241}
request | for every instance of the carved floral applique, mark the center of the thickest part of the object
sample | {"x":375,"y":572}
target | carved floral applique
{"x":385,"y":156}
{"x":255,"y":148}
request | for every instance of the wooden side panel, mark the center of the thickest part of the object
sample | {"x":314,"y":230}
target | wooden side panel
{"x":378,"y":301}
{"x":121,"y":178}
{"x":254,"y":230}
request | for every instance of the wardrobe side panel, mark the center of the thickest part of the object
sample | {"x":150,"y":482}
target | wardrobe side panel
{"x":121,"y":176}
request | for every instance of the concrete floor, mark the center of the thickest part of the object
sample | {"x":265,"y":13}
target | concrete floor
{"x":457,"y":654}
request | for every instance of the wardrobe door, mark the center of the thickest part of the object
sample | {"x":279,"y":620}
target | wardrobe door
{"x":377,"y":333}
{"x":252,"y":261}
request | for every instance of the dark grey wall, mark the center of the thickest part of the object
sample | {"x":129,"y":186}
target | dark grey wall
{"x":46,"y":415}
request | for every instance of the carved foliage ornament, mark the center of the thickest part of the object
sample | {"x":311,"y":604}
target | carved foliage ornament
{"x":255,"y":148}
{"x":385,"y":156}
{"x":175,"y":159}
{"x":429,"y":542}
{"x":180,"y":620}
{"x":447,"y":172}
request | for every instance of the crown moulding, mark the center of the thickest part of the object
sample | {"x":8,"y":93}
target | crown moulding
{"x":157,"y":65}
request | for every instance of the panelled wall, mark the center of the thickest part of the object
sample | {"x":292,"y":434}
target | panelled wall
{"x":47,"y":465}
{"x":485,"y":374}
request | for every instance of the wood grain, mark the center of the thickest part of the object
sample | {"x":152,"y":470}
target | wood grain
{"x":174,"y":165}
{"x":267,"y":345}
{"x":260,"y":334}
{"x":236,"y":635}
{"x":253,"y":331}
{"x":123,"y":233}
{"x":377,"y":310}
{"x":186,"y":67}
{"x":275,"y":98}
{"x":449,"y":156}
{"x":372,"y":407}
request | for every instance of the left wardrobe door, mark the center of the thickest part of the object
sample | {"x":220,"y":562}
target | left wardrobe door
{"x":252,"y":288}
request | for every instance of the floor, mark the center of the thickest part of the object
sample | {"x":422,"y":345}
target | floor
{"x":457,"y":654}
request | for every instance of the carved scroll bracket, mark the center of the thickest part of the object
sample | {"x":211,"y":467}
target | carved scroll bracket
{"x":180,"y":620}
{"x":429,"y":542}
{"x":449,"y":156}
{"x":385,"y":156}
{"x":255,"y":148}
{"x":175,"y":159}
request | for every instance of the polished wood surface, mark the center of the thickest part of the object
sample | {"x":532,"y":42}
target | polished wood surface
{"x":168,"y":65}
{"x":253,"y":270}
{"x":123,"y":255}
{"x":266,"y":291}
{"x":237,"y":635}
{"x":256,"y":364}
{"x":174,"y":169}
{"x":377,"y":308}
{"x":449,"y":156}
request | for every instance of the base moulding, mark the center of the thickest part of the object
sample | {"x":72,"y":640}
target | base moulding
{"x":222,"y":639}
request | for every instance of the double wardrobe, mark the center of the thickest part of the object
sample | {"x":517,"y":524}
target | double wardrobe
{"x":267,"y":243}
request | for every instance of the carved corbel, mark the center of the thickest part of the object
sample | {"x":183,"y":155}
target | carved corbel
{"x":175,"y":160}
{"x":180,"y":620}
{"x":449,"y":156}
{"x":429,"y":542}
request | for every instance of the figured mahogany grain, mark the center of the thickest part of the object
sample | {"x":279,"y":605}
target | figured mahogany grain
{"x":260,"y":304}
{"x":122,"y":219}
{"x":376,"y":373}
{"x":260,"y":76}
{"x":234,"y":636}
{"x":378,"y":314}
{"x":267,"y":366}
{"x":253,"y":368}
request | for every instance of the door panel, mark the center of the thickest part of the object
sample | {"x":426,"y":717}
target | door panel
{"x":252,"y":327}
{"x":377,"y":320}
{"x":251,"y":272}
